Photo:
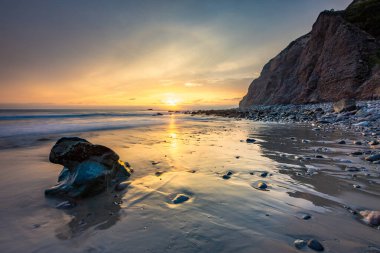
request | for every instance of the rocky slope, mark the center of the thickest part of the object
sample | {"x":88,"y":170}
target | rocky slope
{"x":339,"y":58}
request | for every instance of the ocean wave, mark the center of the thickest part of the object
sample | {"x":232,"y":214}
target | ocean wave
{"x":42,"y":128}
{"x":75,"y":115}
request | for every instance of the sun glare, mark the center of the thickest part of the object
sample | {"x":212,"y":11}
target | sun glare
{"x":171,"y":101}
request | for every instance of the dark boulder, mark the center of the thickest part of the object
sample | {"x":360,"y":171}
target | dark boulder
{"x":88,"y":168}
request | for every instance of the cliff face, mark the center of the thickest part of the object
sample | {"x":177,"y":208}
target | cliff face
{"x":336,"y":60}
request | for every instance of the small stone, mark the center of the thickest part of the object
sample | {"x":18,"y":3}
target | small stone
{"x":299,"y":244}
{"x":373,"y":158}
{"x":315,"y":245}
{"x":264,"y":174}
{"x":341,"y":142}
{"x":358,"y":143}
{"x":262,"y":185}
{"x":180,"y":198}
{"x":352,"y":169}
{"x":226,"y":177}
{"x":159,"y":173}
{"x":356,"y":186}
{"x":250,"y":140}
{"x":373,"y":143}
{"x":306,"y":216}
{"x":371,"y":217}
{"x":356,"y":153}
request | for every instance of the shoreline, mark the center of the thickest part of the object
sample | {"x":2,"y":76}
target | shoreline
{"x":364,"y":118}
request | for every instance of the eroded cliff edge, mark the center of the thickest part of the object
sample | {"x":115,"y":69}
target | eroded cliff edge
{"x":339,"y":58}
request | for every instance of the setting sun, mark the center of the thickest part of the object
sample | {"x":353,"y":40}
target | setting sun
{"x":171,"y":101}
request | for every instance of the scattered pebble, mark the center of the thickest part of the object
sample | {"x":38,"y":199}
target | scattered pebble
{"x":159,"y":173}
{"x":306,"y":216}
{"x":262,"y":185}
{"x":373,"y":158}
{"x":250,"y":140}
{"x":180,"y":198}
{"x":299,"y":244}
{"x":370,"y":217}
{"x":226,"y":177}
{"x":315,"y":245}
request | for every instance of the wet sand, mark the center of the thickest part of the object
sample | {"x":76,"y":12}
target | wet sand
{"x":190,"y":156}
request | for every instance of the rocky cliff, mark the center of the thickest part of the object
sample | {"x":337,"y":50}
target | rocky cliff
{"x":339,"y":58}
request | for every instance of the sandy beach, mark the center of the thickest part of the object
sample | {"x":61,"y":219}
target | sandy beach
{"x":310,"y":191}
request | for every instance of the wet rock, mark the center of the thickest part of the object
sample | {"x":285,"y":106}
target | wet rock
{"x":373,"y":158}
{"x":180,"y":198}
{"x":356,"y":153}
{"x":226,"y":177}
{"x":352,"y":169}
{"x":262,"y":185}
{"x":344,"y":105}
{"x":299,"y":244}
{"x":159,"y":173}
{"x":88,"y":169}
{"x":370,"y":217}
{"x":315,"y":245}
{"x":250,"y":140}
{"x":306,"y":216}
{"x":341,"y":142}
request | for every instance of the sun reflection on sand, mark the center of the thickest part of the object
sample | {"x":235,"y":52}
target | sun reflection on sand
{"x":172,"y":133}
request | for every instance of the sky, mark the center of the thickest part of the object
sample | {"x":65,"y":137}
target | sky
{"x":143,"y":53}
